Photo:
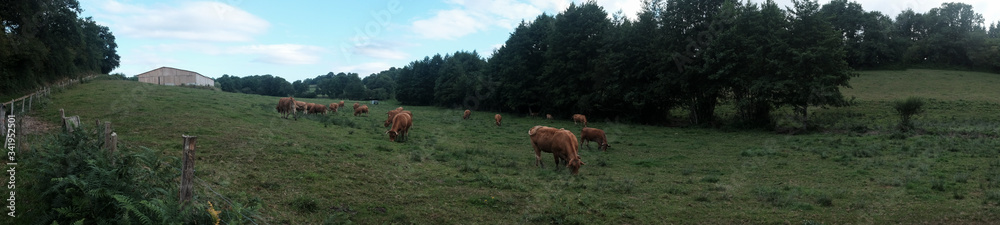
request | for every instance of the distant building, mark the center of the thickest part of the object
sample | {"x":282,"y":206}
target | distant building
{"x":173,"y":76}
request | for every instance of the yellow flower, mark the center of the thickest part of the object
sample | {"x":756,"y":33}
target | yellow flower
{"x":214,"y":213}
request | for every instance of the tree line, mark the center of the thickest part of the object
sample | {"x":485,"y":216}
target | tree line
{"x":341,"y":85}
{"x":45,"y":41}
{"x":694,"y":55}
{"x":676,"y":55}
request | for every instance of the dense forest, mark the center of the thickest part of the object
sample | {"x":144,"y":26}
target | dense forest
{"x":45,"y":41}
{"x":690,"y":55}
{"x":695,"y":55}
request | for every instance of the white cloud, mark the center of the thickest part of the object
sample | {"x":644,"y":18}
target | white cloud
{"x":282,"y":54}
{"x":448,"y":24}
{"x":471,"y":16}
{"x":197,"y":21}
{"x":364,"y":69}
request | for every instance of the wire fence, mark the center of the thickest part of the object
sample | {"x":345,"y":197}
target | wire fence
{"x":23,"y":105}
{"x":10,"y":107}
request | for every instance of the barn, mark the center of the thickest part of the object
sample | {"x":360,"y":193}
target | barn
{"x":173,"y":76}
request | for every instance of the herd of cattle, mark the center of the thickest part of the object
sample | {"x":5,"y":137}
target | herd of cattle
{"x":560,"y":142}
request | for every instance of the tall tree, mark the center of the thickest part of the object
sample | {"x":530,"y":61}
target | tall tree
{"x":462,"y":77}
{"x":816,"y":65}
{"x":690,"y":27}
{"x":519,"y":63}
{"x":573,"y":53}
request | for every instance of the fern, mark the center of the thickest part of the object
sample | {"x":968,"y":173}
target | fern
{"x":87,"y":183}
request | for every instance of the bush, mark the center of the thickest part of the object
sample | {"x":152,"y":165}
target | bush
{"x":906,"y":109}
{"x":75,"y":181}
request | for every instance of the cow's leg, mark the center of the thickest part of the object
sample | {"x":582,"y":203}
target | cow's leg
{"x":556,"y":156}
{"x":538,"y":158}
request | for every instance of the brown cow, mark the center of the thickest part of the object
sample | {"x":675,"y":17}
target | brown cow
{"x":356,"y":105}
{"x":340,"y":104}
{"x":286,"y":106}
{"x":392,"y":113}
{"x":333,"y":107}
{"x":497,"y":117}
{"x":401,"y":124}
{"x":580,"y":118}
{"x":301,"y":106}
{"x":595,"y":135}
{"x":316,"y":108}
{"x":548,"y":116}
{"x":361,"y":109}
{"x":466,"y":115}
{"x":560,"y":142}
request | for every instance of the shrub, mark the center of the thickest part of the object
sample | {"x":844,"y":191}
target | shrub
{"x":906,"y":109}
{"x":73,"y":176}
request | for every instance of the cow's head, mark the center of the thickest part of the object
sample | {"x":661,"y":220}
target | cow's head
{"x":387,"y":123}
{"x":574,"y":164}
{"x":392,"y":135}
{"x":605,"y":146}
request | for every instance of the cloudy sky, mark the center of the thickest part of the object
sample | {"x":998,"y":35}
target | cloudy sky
{"x":308,"y":38}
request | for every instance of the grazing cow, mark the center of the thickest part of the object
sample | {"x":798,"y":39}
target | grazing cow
{"x":361,"y":109}
{"x":560,"y":142}
{"x":595,"y":135}
{"x":580,"y":118}
{"x":317,"y":108}
{"x":333,"y":107}
{"x":401,"y":124}
{"x":340,"y":104}
{"x":466,"y":115}
{"x":392,"y":113}
{"x":497,"y":117}
{"x":301,"y":106}
{"x":532,"y":113}
{"x":548,"y":116}
{"x":356,"y":105}
{"x":286,"y":106}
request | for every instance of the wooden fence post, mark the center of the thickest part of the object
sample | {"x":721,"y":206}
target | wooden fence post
{"x":97,"y":126}
{"x":187,"y":176}
{"x":113,"y":148}
{"x":22,"y":106}
{"x":107,"y":135}
{"x":30,"y":99}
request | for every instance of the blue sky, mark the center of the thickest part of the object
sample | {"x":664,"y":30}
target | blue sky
{"x":308,"y":38}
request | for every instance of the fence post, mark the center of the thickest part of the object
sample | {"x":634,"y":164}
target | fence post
{"x":97,"y":126}
{"x":187,"y":176}
{"x":22,"y":106}
{"x":107,"y":135}
{"x":114,"y":147}
{"x":30,"y":99}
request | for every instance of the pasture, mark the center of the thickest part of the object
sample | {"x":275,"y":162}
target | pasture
{"x":856,"y":169}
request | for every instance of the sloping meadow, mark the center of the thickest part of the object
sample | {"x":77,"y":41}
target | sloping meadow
{"x":337,"y":168}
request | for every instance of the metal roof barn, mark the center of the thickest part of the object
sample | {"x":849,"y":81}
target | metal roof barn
{"x":173,"y":76}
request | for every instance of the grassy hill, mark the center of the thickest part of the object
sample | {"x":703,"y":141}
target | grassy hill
{"x":340,"y":167}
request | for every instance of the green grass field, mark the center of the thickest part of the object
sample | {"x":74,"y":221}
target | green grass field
{"x":856,"y":170}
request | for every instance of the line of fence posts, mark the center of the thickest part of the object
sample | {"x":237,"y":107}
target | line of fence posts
{"x":110,"y":139}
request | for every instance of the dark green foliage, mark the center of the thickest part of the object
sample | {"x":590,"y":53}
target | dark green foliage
{"x":694,"y":55}
{"x":45,"y":41}
{"x":906,"y":109}
{"x":85,"y":183}
{"x":75,"y":180}
{"x":256,"y":84}
{"x":461,"y":77}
